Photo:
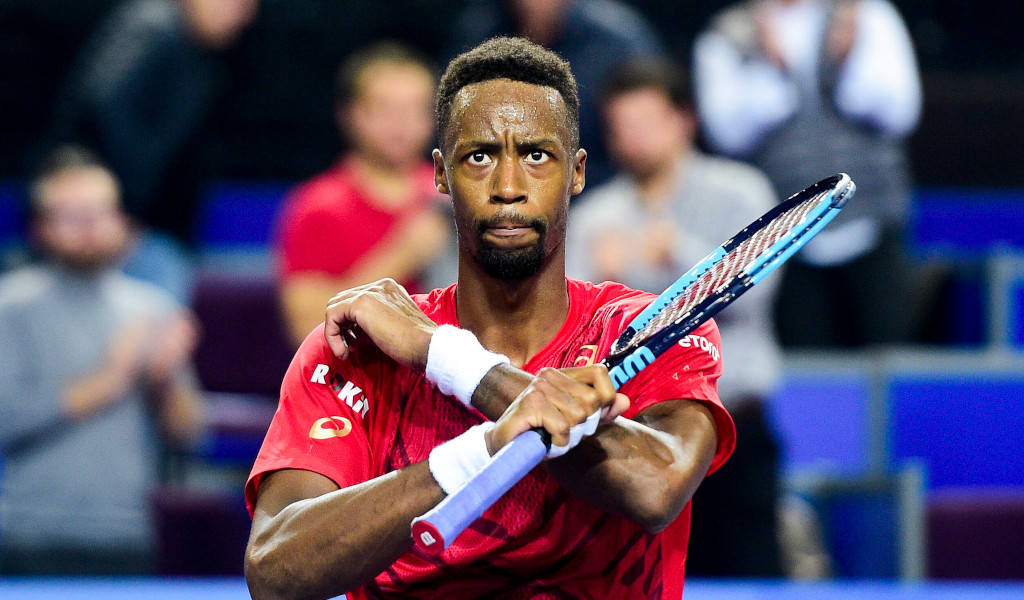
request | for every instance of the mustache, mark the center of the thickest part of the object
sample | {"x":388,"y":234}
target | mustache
{"x":513,"y":219}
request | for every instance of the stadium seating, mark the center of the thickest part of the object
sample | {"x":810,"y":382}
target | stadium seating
{"x":976,"y":534}
{"x":897,"y":447}
{"x":965,"y":223}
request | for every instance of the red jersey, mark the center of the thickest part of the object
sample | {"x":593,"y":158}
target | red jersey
{"x":360,"y":418}
{"x":328,"y":223}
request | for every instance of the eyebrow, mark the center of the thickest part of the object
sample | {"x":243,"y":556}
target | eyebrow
{"x":491,"y":144}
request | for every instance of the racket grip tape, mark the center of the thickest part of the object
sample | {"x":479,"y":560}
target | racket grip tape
{"x":435,"y":530}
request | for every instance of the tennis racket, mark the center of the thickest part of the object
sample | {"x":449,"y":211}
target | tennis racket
{"x":708,"y":287}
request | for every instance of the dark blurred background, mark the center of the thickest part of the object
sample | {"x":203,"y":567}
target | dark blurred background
{"x":909,"y":434}
{"x":275,"y":122}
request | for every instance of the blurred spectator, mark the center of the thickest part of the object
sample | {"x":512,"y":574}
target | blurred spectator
{"x":139,"y":94}
{"x":666,"y":210}
{"x":595,"y":36}
{"x":804,"y":89}
{"x":96,"y":378}
{"x":376,"y":213}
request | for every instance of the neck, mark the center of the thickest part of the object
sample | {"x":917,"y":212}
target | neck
{"x":515,"y":318}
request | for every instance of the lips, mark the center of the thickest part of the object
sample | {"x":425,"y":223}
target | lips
{"x":505,"y":232}
{"x":508,"y":229}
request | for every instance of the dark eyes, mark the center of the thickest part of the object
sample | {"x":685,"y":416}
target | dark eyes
{"x":481,"y":158}
{"x":537,"y":157}
{"x":478,"y":158}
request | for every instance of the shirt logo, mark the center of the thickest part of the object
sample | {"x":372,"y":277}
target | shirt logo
{"x":330,"y":427}
{"x":318,"y":374}
{"x":348,"y":392}
{"x":351,"y":394}
{"x":586,"y":356}
{"x":699,"y":341}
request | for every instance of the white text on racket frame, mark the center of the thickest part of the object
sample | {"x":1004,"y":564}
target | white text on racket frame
{"x":701,"y":342}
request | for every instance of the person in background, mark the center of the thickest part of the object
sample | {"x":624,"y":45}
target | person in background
{"x":595,"y":36}
{"x":139,"y":95}
{"x":804,"y":89}
{"x":668,"y":207}
{"x":96,"y":377}
{"x":376,"y":213}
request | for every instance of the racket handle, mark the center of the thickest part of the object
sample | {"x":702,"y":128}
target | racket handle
{"x":438,"y":528}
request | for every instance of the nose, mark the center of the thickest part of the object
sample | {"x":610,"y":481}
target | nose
{"x":508,"y":181}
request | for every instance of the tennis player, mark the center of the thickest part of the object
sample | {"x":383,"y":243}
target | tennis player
{"x":397,"y":401}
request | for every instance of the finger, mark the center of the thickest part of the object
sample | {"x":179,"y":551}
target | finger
{"x":531,"y":410}
{"x":621,"y":405}
{"x":543,"y":404}
{"x":577,"y":401}
{"x":568,"y":440}
{"x":334,"y":334}
{"x":596,"y":378}
{"x":338,"y":321}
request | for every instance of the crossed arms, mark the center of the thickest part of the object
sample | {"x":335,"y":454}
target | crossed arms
{"x":311,"y":539}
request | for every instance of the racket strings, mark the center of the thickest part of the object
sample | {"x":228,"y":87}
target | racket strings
{"x":724,"y":271}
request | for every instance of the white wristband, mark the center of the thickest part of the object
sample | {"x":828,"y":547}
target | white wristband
{"x":576,"y":434}
{"x":456,"y":362}
{"x":456,"y":461}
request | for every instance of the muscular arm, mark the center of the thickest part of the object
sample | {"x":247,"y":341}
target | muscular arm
{"x":311,"y":539}
{"x":645,"y":469}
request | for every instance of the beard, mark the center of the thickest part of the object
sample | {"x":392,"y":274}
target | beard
{"x":511,"y":264}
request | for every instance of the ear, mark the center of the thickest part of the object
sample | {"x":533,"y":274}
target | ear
{"x":440,"y":174}
{"x":579,"y":172}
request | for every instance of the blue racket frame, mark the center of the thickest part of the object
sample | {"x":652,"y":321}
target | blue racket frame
{"x":438,"y":528}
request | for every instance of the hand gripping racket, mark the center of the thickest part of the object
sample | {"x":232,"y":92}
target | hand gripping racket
{"x":708,"y":287}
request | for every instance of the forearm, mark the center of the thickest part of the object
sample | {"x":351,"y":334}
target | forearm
{"x":181,"y":410}
{"x":95,"y":391}
{"x":739,"y":99}
{"x":24,"y":421}
{"x":879,"y":80}
{"x":324,"y":546}
{"x":634,"y":468}
{"x":53,"y":403}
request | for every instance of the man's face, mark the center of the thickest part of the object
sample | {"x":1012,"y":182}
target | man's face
{"x":218,"y":23}
{"x":391,"y":119}
{"x":80,"y":222}
{"x":645,"y":130}
{"x":510,"y":171}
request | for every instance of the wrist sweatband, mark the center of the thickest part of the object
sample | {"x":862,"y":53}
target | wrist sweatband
{"x":576,"y":434}
{"x":456,"y":362}
{"x":456,"y":461}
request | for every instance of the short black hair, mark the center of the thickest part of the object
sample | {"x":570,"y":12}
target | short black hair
{"x":61,"y":159}
{"x":660,"y":74}
{"x":387,"y":51}
{"x":512,"y":58}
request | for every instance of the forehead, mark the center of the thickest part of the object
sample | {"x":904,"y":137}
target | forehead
{"x":640,"y":97}
{"x":491,"y":107}
{"x":79,"y":186}
{"x":383,"y":75}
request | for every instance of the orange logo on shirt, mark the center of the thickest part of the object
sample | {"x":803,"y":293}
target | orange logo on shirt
{"x":586,"y":357}
{"x":330,"y":427}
